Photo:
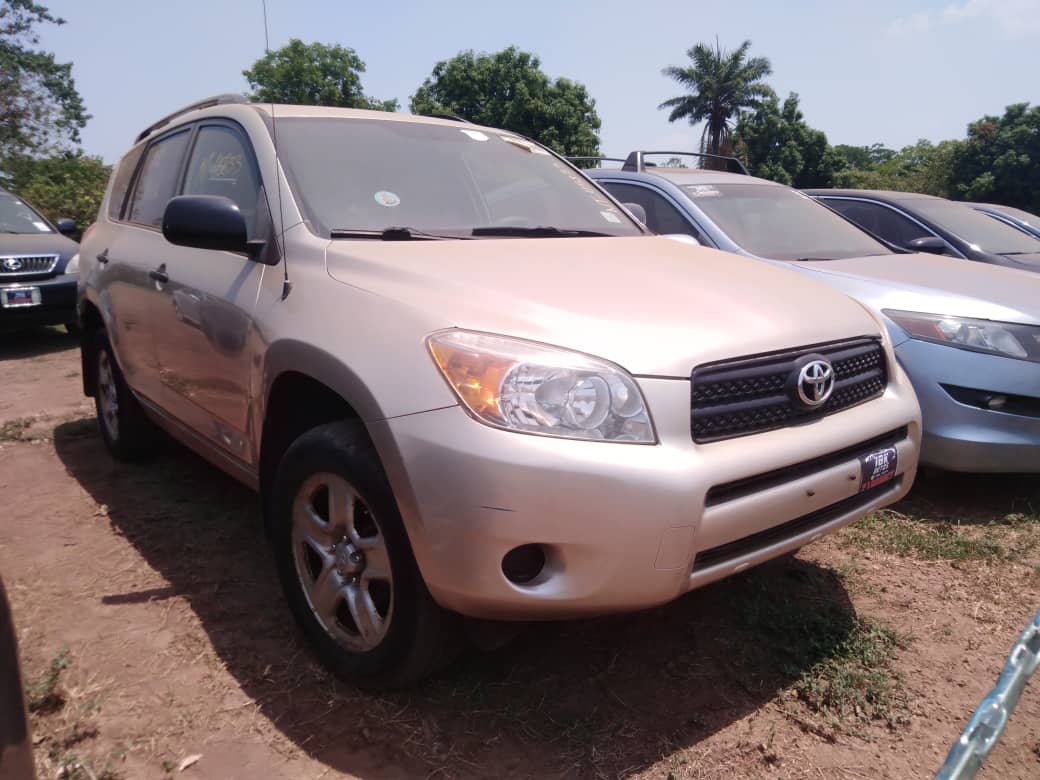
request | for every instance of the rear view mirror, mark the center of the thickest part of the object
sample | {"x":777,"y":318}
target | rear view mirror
{"x":933,"y":245}
{"x":207,"y":222}
{"x":636,"y":211}
{"x":66,"y":226}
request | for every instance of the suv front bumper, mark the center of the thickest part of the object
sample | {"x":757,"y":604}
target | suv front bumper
{"x":621,"y":524}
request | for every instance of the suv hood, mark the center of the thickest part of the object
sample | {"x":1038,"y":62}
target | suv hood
{"x":653,"y":305}
{"x":935,"y":285}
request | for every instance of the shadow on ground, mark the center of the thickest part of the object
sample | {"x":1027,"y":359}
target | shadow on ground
{"x":20,"y":344}
{"x":974,"y":499}
{"x":602,"y":697}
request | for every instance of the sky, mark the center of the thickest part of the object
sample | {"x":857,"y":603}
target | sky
{"x":887,"y":71}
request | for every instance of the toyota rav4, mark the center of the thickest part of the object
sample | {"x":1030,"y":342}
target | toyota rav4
{"x":467,"y":384}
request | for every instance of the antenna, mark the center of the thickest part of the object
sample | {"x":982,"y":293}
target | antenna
{"x":286,"y":284}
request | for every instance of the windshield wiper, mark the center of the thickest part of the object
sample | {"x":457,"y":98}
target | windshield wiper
{"x":543,"y":231}
{"x":812,"y":259}
{"x":392,"y":234}
{"x":1009,"y":254}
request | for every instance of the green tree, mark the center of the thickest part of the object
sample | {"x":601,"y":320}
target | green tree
{"x":508,"y":89}
{"x":777,"y":143}
{"x":1000,"y":160}
{"x":921,"y":167}
{"x":312,"y":74}
{"x":720,"y":85}
{"x":69,"y":184}
{"x":40,"y":109}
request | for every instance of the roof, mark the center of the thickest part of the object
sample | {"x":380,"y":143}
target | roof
{"x":892,"y":195}
{"x":682,"y":176}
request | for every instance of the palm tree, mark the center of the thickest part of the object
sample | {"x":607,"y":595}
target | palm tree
{"x":720,"y":85}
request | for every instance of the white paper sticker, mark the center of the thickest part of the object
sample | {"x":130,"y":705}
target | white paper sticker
{"x":610,"y":216}
{"x":701,"y":191}
{"x":42,"y":227}
{"x":385,"y":198}
{"x":476,"y":135}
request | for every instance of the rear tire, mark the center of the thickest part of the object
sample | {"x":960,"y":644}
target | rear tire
{"x":346,"y":565}
{"x":128,"y":433}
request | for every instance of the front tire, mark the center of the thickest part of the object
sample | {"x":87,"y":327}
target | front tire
{"x":128,"y":433}
{"x":346,"y":565}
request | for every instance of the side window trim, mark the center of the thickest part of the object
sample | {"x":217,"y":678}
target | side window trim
{"x":898,"y":211}
{"x":191,"y":129}
{"x":120,"y":210}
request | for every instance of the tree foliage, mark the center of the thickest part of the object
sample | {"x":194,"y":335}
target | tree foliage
{"x":508,"y":89}
{"x":312,"y":74}
{"x":1000,"y":160}
{"x":719,"y":86}
{"x":69,"y":184}
{"x":777,"y":143}
{"x":40,"y":109}
{"x":921,"y":167}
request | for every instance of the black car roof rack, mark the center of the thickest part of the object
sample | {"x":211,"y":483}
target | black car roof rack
{"x":593,"y":159}
{"x":216,"y":100}
{"x":635,"y":161}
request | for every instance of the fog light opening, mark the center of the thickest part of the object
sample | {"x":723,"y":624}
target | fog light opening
{"x":997,"y":401}
{"x":522,"y":564}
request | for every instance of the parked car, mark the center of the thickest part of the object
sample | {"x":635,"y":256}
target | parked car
{"x":968,"y":334}
{"x":924,"y":223}
{"x":1017,"y":218}
{"x":460,"y":377}
{"x":38,"y":267}
{"x":16,"y":757}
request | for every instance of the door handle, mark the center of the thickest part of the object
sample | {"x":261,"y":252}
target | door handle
{"x":103,"y":257}
{"x":159,"y":274}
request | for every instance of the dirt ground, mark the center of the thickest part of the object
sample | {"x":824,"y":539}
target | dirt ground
{"x":148,"y":592}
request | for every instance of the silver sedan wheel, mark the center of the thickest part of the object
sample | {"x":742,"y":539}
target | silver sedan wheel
{"x":342,"y":562}
{"x":108,"y":395}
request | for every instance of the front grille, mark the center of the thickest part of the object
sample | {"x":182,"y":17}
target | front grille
{"x":714,"y":556}
{"x":12,"y":266}
{"x":752,"y":395}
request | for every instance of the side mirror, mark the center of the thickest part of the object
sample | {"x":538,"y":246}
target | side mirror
{"x":636,"y":211}
{"x":66,"y":226}
{"x":933,"y":245}
{"x":208,"y":222}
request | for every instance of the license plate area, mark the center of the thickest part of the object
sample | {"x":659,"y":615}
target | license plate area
{"x":877,"y":467}
{"x":19,"y":297}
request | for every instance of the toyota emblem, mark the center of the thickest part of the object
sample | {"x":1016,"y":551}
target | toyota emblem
{"x":815,"y":383}
{"x":12,"y":264}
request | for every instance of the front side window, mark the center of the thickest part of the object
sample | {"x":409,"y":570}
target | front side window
{"x":221,"y":163}
{"x":16,"y":216}
{"x":880,"y":220}
{"x":661,"y":216}
{"x":975,"y":228}
{"x":781,"y":223}
{"x":372,"y":174}
{"x":157,"y":182}
{"x":121,"y":182}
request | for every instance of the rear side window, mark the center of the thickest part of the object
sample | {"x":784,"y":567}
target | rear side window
{"x":221,"y":163}
{"x":661,"y":216}
{"x":157,"y":182}
{"x":123,"y":176}
{"x":879,"y":220}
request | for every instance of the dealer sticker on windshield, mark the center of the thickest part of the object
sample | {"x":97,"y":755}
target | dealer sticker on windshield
{"x":877,"y":468}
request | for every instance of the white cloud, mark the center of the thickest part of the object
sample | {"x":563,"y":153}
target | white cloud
{"x":912,"y":23}
{"x":1014,"y":18}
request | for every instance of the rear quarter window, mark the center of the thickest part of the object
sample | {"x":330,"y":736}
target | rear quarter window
{"x":121,"y":179}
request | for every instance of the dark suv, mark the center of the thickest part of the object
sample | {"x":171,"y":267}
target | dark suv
{"x":39,"y":265}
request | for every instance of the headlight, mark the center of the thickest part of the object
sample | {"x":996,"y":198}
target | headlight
{"x":72,"y":267}
{"x":533,"y":388}
{"x":1003,"y":338}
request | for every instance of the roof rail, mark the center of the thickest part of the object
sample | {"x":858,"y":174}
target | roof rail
{"x":635,"y":161}
{"x":216,"y":100}
{"x":452,"y":117}
{"x":575,"y":159}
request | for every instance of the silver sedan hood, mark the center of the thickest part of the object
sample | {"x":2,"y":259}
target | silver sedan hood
{"x":653,"y":305}
{"x":936,"y":285}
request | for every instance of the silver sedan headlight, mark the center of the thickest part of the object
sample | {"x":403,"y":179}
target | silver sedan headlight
{"x":534,"y":388}
{"x":1002,"y":338}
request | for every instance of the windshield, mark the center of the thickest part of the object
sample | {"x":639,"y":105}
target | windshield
{"x":780,"y":223}
{"x":372,"y":174}
{"x":17,"y":217}
{"x":978,"y":229}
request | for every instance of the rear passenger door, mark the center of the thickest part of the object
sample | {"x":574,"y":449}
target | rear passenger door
{"x":132,"y":249}
{"x":205,"y":336}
